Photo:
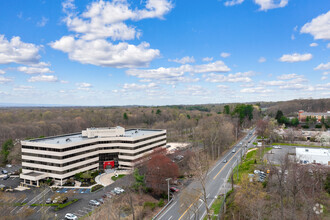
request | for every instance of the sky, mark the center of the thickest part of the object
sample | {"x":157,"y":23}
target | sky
{"x":163,"y":52}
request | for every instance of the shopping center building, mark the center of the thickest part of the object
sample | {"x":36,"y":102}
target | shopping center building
{"x":61,"y":157}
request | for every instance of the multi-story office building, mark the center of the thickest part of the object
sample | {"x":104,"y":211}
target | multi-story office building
{"x":302,"y":115}
{"x":61,"y":157}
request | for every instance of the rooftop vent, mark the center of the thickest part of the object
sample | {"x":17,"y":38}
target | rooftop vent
{"x":68,"y":140}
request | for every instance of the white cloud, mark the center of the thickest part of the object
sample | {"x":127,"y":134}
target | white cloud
{"x":2,"y":71}
{"x":103,"y":53}
{"x":237,"y":77}
{"x":271,"y":4}
{"x":296,"y":57}
{"x":313,"y":44}
{"x":259,"y":89}
{"x":43,"y":78}
{"x":293,"y":37}
{"x":43,"y":22}
{"x":262,"y":60}
{"x":5,"y":80}
{"x":170,"y":72}
{"x":289,"y":76}
{"x":194,"y":90}
{"x":323,"y":66}
{"x":222,"y":86}
{"x":23,"y":88}
{"x":135,"y":87}
{"x":84,"y":86}
{"x":34,"y":70}
{"x":326,"y":73}
{"x":233,"y":2}
{"x":225,"y":55}
{"x":183,"y":60}
{"x":16,"y":51}
{"x":328,"y":45}
{"x":319,"y":27}
{"x":207,"y":59}
{"x":103,"y":20}
{"x":324,"y":77}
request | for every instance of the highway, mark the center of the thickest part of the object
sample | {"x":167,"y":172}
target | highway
{"x":188,"y":204}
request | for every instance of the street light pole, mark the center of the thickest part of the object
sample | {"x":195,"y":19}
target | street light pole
{"x":168,"y":189}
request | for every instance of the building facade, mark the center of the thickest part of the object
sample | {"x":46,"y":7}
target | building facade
{"x":61,"y":157}
{"x":313,"y":155}
{"x":302,"y":115}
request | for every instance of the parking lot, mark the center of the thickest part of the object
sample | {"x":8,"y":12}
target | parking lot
{"x":276,"y":155}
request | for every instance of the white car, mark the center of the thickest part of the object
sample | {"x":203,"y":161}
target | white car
{"x":118,"y":189}
{"x":70,"y":216}
{"x":277,"y":147}
{"x":94,"y":203}
{"x":8,"y":165}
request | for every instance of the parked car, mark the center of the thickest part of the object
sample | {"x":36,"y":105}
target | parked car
{"x":6,"y":177}
{"x":224,"y":161}
{"x":174,"y":189}
{"x":94,"y":203}
{"x":100,"y":200}
{"x":8,"y":165}
{"x":70,"y":216}
{"x":56,"y":199}
{"x":49,"y":201}
{"x":118,"y":190}
{"x":277,"y":147}
{"x":233,"y":151}
{"x":4,"y":171}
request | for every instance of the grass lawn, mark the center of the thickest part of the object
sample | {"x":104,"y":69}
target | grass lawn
{"x":58,"y":206}
{"x":215,"y":208}
{"x":118,"y":177}
{"x":251,"y":160}
{"x":301,"y":145}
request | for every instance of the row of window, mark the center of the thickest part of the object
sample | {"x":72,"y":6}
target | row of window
{"x":58,"y":164}
{"x":89,"y":151}
{"x":58,"y":172}
{"x":141,"y":152}
{"x":89,"y":144}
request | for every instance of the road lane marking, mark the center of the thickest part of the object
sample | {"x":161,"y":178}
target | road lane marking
{"x":226,"y":164}
{"x":208,"y":195}
{"x":168,"y":210}
{"x":170,"y":218}
{"x":189,"y":207}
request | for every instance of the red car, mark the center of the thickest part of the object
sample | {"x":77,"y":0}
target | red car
{"x":173,"y":189}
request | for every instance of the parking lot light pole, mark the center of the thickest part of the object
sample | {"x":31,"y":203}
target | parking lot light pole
{"x":168,"y":189}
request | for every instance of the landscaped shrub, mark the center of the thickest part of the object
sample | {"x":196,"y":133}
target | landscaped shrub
{"x":151,"y":205}
{"x":161,"y":203}
{"x":94,"y":188}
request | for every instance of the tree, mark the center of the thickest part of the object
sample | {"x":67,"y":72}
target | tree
{"x":199,"y":165}
{"x":279,"y":115}
{"x":6,"y":147}
{"x":158,"y":112}
{"x":125,"y":116}
{"x":159,"y":168}
{"x":294,"y":122}
{"x":226,"y":109}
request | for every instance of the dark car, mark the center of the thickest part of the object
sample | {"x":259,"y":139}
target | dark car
{"x":224,"y":161}
{"x":174,"y":189}
{"x":4,"y":171}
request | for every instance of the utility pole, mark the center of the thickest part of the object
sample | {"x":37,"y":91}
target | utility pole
{"x":168,"y":189}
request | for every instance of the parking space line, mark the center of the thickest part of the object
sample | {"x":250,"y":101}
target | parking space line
{"x":24,"y":200}
{"x":14,"y":209}
{"x":77,"y":214}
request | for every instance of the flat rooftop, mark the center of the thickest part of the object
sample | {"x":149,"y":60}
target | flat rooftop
{"x":77,"y":137}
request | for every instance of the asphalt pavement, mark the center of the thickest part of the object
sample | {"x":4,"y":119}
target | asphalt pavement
{"x":185,"y":208}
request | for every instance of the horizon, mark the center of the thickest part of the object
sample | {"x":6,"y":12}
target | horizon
{"x":161,"y":52}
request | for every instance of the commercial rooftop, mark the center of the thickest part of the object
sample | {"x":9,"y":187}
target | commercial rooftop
{"x":78,"y":137}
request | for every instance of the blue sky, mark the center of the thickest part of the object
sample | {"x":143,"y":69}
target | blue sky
{"x":160,"y":52}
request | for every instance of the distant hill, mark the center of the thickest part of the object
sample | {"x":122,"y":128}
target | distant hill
{"x":291,"y":108}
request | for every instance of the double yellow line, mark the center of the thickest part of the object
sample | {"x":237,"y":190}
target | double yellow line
{"x":213,"y":179}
